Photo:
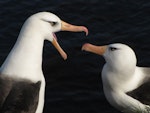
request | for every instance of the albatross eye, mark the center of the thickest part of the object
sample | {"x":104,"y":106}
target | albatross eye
{"x":53,"y":23}
{"x":112,"y":48}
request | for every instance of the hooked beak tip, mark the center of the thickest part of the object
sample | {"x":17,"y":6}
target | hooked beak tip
{"x":85,"y":47}
{"x":85,"y":30}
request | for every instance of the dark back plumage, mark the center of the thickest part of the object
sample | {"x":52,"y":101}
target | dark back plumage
{"x":142,"y":93}
{"x":18,"y":96}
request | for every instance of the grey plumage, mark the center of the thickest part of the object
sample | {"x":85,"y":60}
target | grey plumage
{"x":18,"y":96}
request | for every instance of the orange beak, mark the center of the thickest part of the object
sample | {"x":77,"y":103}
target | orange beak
{"x":73,"y":28}
{"x":100,"y":50}
{"x":67,"y":27}
{"x":59,"y":49}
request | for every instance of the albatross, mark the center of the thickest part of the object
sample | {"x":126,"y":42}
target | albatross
{"x":126,"y":85}
{"x":22,"y":83}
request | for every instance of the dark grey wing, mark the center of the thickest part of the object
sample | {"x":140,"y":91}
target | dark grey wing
{"x":22,"y":98}
{"x":142,"y":93}
{"x":5,"y":87}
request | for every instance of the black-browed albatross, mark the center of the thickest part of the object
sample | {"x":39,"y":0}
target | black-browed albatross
{"x":126,"y":86}
{"x":22,"y":84}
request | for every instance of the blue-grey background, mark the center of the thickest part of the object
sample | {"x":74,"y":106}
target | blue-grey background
{"x":75,"y":86}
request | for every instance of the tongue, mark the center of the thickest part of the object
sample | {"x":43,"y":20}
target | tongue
{"x":55,"y":36}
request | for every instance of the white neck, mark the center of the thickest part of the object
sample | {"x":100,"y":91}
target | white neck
{"x":116,"y":79}
{"x":25,"y":59}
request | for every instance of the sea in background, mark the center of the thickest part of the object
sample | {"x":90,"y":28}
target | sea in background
{"x":74,"y":85}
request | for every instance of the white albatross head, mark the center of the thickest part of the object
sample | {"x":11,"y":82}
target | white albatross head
{"x":47,"y":24}
{"x":118,"y":56}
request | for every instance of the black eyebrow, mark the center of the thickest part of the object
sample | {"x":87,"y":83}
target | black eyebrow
{"x":113,"y":48}
{"x":53,"y":23}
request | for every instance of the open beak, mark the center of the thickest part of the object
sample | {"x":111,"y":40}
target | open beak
{"x":60,"y":50}
{"x":67,"y":27}
{"x":100,"y":50}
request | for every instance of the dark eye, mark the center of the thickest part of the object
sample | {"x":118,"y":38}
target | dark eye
{"x":53,"y":23}
{"x":112,"y":48}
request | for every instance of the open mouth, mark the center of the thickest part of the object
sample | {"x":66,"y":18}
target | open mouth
{"x":55,"y":36}
{"x":67,"y":27}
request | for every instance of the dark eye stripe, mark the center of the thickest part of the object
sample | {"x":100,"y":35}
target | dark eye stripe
{"x":53,"y":23}
{"x":112,"y":48}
